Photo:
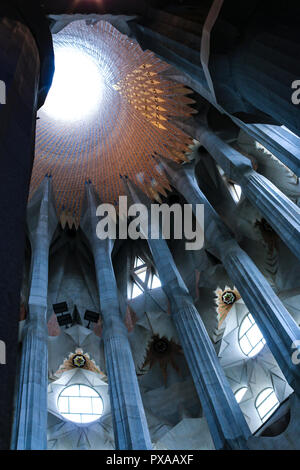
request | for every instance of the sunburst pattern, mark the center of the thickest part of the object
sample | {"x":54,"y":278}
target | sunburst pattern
{"x":134,"y":123}
{"x":72,"y":362}
{"x":225,"y":300}
{"x":161,"y":351}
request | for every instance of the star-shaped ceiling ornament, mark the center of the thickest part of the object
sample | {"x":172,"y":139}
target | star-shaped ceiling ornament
{"x":161,"y":351}
{"x":80,"y":360}
{"x":225,"y":300}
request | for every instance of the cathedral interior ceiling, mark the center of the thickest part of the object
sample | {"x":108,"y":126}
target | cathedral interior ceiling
{"x":132,"y":127}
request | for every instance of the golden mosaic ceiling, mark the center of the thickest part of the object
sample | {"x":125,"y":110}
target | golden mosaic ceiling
{"x":133,"y":126}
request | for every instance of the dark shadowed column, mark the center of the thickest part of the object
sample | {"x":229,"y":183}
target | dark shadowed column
{"x":21,"y":61}
{"x":30,"y":422}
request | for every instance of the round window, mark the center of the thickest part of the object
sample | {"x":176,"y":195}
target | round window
{"x":80,"y":404}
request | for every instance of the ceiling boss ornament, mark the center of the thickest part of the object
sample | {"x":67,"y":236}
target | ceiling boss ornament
{"x":81,"y":360}
{"x":228,"y":297}
{"x":164,"y":352}
{"x":132,"y":121}
{"x":225,"y":300}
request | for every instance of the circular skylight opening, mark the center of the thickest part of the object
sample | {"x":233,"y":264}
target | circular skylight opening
{"x":251,"y":340}
{"x":77,"y":85}
{"x":80,"y":404}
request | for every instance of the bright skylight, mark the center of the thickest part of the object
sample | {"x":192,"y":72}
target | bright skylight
{"x":138,"y":262}
{"x":236,"y":192}
{"x":266,"y":403}
{"x":144,"y":278}
{"x":80,"y":404}
{"x":239,"y":394}
{"x":155,"y":282}
{"x":77,"y":85}
{"x":136,"y":291}
{"x":141,"y":273}
{"x":251,"y":339}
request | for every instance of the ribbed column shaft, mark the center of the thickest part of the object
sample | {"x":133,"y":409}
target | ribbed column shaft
{"x":275,"y":322}
{"x":225,"y":419}
{"x":130,"y":425}
{"x":281,"y":213}
{"x":30,"y":425}
{"x":129,"y":420}
{"x":280,"y":142}
{"x":226,"y":422}
{"x":31,"y":414}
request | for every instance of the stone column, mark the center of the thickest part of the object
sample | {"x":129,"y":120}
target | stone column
{"x":281,"y":213}
{"x":227,"y":425}
{"x":20,"y":65}
{"x":130,"y":425}
{"x":275,"y":322}
{"x":280,"y":142}
{"x":30,"y":426}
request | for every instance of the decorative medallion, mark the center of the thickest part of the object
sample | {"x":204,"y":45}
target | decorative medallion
{"x":81,"y":360}
{"x":228,"y":297}
{"x":163,"y":352}
{"x":225,"y":300}
{"x":161,"y":345}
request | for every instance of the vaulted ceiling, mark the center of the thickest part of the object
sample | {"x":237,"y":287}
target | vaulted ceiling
{"x":132,"y":127}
